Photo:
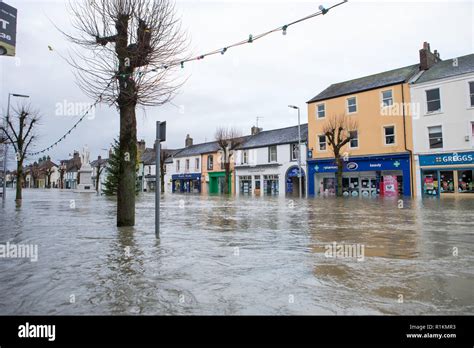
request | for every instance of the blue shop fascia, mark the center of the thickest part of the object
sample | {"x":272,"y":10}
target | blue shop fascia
{"x":362,"y":175}
{"x":187,"y":182}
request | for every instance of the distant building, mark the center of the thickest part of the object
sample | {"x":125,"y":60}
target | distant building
{"x":267,"y":162}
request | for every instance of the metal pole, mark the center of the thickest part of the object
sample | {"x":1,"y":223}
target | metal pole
{"x":157,"y":181}
{"x":299,"y":155}
{"x":5,"y":153}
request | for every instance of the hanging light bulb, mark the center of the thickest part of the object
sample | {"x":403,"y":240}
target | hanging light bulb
{"x":182,"y":65}
{"x":223,"y":50}
{"x":323,"y":10}
{"x":250,"y":39}
{"x":284,"y":29}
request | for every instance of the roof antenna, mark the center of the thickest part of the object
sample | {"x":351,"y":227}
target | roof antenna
{"x":258,"y":118}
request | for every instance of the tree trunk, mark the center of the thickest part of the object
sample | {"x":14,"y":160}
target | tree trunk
{"x":339,"y":176}
{"x":19,"y":180}
{"x":226,"y":178}
{"x":97,"y":180}
{"x":127,"y":170}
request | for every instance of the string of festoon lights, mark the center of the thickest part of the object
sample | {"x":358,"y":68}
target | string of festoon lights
{"x":251,"y":39}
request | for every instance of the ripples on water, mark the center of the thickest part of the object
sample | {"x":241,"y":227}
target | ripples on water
{"x":245,"y":255}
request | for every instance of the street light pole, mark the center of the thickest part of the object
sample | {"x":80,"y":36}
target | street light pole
{"x":5,"y":149}
{"x":299,"y":151}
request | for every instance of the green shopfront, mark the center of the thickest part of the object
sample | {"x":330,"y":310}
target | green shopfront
{"x":217,"y":182}
{"x":446,"y":174}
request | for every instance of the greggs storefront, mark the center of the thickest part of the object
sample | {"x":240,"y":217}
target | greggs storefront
{"x":387,"y":175}
{"x":446,"y":174}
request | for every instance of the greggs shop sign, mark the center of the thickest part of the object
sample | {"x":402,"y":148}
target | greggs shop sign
{"x":447,"y":159}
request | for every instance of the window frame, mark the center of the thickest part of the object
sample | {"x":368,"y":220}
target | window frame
{"x":384,"y":134}
{"x":470,"y":93}
{"x":428,"y":112}
{"x":270,"y":148}
{"x":325,"y":143}
{"x":429,"y":137}
{"x":210,"y":162}
{"x":317,"y":111}
{"x":356,"y":105}
{"x":187,"y":164}
{"x":383,"y":99}
{"x":245,"y":156}
{"x":196,"y":163}
{"x":294,"y":151}
{"x":357,"y":139}
{"x":178,"y":166}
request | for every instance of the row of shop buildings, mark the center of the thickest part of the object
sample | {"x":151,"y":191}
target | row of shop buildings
{"x":264,"y":163}
{"x":414,"y":134}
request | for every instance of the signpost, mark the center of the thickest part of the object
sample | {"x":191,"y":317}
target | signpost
{"x":8,"y":18}
{"x":160,"y":136}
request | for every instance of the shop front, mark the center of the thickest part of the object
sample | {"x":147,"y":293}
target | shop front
{"x":387,"y":175}
{"x":186,"y":183}
{"x":447,"y":174}
{"x":292,"y":181}
{"x":217,"y":182}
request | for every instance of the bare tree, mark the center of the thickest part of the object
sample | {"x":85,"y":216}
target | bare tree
{"x":228,"y":139}
{"x":339,"y":131}
{"x":127,"y":51}
{"x":19,"y":131}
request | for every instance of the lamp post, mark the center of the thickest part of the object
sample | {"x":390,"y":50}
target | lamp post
{"x":5,"y":149}
{"x":299,"y":150}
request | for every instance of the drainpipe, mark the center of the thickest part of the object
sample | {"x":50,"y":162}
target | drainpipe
{"x":405,"y":142}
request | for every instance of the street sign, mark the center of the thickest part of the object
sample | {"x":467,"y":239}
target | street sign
{"x":7,"y":29}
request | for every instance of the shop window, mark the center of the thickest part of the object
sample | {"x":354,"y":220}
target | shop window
{"x":447,"y":182}
{"x":471,"y":92}
{"x":210,"y":162}
{"x":433,"y":101}
{"x":465,"y":184}
{"x":389,"y":135}
{"x":435,"y":137}
{"x":294,"y":152}
{"x":272,"y":154}
{"x":354,"y":142}
{"x":321,"y":110}
{"x":387,"y":98}
{"x":322,"y":142}
{"x":351,"y":105}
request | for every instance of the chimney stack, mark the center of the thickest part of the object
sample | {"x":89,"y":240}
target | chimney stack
{"x":255,"y":130}
{"x":189,"y":141}
{"x":428,"y":58}
{"x":141,"y":146}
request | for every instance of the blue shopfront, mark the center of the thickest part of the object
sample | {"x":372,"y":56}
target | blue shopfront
{"x":189,"y":182}
{"x":446,"y":174}
{"x":387,"y":175}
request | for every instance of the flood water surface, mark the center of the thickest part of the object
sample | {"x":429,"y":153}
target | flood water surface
{"x":246,"y":255}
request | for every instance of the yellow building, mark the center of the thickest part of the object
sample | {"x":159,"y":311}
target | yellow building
{"x":378,"y":159}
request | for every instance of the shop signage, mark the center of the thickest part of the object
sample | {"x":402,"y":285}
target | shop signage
{"x":7,"y":29}
{"x":352,"y":166}
{"x":364,"y":164}
{"x":447,"y":159}
{"x":186,"y":176}
{"x":293,"y":172}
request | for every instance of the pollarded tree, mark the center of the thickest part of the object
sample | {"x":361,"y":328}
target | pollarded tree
{"x":228,"y":139}
{"x":19,"y":131}
{"x":127,"y":51}
{"x":339,"y":130}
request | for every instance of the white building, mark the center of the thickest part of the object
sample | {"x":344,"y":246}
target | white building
{"x":267,"y":162}
{"x":443,"y":127}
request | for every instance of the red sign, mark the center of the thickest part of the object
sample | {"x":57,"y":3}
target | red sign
{"x":390,"y":186}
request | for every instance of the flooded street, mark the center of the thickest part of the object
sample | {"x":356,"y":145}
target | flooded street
{"x":243,"y":255}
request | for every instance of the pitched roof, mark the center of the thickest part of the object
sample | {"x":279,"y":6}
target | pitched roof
{"x":366,"y":83}
{"x":198,"y":149}
{"x":447,"y":68}
{"x":276,"y":136}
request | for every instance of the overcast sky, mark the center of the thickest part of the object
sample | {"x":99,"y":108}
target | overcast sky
{"x":356,"y":39}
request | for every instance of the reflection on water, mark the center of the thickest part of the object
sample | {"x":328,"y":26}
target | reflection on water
{"x":245,"y":255}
